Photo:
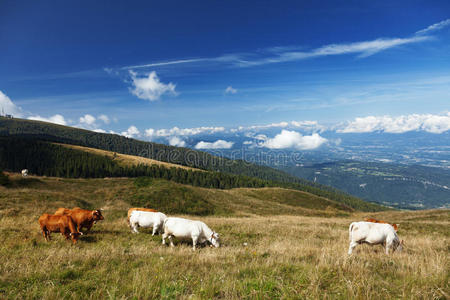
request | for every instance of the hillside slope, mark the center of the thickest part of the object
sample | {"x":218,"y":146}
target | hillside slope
{"x":45,"y":194}
{"x":26,"y":131}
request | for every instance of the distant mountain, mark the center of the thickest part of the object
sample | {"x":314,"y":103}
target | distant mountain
{"x":397,"y":185}
{"x":71,"y":163}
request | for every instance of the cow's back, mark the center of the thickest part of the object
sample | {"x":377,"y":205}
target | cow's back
{"x":181,"y":227}
{"x":373,"y":233}
{"x":130,"y":211}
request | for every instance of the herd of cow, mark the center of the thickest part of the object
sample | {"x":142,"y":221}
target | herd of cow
{"x":70,"y":222}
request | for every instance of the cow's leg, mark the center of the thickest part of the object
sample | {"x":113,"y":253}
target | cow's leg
{"x":155,"y":229}
{"x":164,"y":238}
{"x":88,"y":227}
{"x":194,"y":242}
{"x":351,"y":247}
{"x":44,"y":233}
{"x":388,"y":246}
{"x":134,"y":227}
{"x":171,"y":241}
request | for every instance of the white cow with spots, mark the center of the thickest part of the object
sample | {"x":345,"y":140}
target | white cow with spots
{"x":185,"y":229}
{"x":373,"y":234}
{"x":24,"y":172}
{"x":147,"y":219}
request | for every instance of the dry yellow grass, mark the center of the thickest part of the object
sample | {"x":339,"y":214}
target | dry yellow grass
{"x":262,"y":256}
{"x":127,"y":160}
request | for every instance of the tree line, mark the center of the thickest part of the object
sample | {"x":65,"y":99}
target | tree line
{"x":47,"y":159}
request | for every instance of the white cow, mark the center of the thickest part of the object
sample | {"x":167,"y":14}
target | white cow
{"x":374,"y":234}
{"x":185,"y":229}
{"x":147,"y":219}
{"x":24,"y":172}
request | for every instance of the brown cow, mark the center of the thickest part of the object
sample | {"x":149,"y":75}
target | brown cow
{"x":81,"y":217}
{"x":64,"y":224}
{"x":138,"y":208}
{"x":379,"y":221}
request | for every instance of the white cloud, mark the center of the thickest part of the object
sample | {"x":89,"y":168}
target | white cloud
{"x":175,"y":131}
{"x":292,"y":139}
{"x":57,"y":119}
{"x":267,"y":126}
{"x":364,"y":49}
{"x":415,"y":122}
{"x":219,"y":144}
{"x":434,"y":27}
{"x":176,"y":141}
{"x":150,"y":88}
{"x":99,"y":130}
{"x":87,"y":120}
{"x":308,"y":125}
{"x":230,"y":90}
{"x":292,"y":53}
{"x":104,"y":118}
{"x":132,"y":131}
{"x":8,"y":106}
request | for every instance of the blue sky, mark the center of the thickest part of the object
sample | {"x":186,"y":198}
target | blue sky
{"x":109,"y":66}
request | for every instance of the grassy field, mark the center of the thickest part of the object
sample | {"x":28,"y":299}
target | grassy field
{"x":275,"y":245}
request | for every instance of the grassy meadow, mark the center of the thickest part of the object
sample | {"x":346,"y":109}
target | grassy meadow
{"x":276,"y":243}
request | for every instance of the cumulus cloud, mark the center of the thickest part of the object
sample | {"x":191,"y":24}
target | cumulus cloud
{"x":230,"y":90}
{"x":57,"y":119}
{"x":176,"y":141}
{"x":150,"y":87}
{"x":104,"y":118}
{"x":292,"y":139}
{"x":8,"y":106}
{"x":219,"y":144}
{"x":87,"y":119}
{"x":415,"y":122}
{"x":131,"y":132}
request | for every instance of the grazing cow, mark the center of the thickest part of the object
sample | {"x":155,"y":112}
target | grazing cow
{"x":24,"y":172}
{"x":184,"y":229}
{"x":384,"y":222}
{"x":82,"y":217}
{"x":63,"y":224}
{"x":140,"y":209}
{"x":147,"y":219}
{"x":374,"y":234}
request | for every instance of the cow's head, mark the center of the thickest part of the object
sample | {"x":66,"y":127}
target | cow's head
{"x":214,"y":239}
{"x":75,"y":236}
{"x":97,"y":215}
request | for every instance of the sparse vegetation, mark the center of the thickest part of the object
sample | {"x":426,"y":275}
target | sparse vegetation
{"x":273,"y":247}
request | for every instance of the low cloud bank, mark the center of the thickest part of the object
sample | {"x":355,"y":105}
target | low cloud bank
{"x":219,"y":144}
{"x":415,"y":122}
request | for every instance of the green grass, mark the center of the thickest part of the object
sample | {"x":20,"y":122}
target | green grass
{"x":272,"y":248}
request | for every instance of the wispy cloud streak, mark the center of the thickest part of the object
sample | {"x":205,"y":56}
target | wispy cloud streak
{"x":434,"y":27}
{"x":293,"y":53}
